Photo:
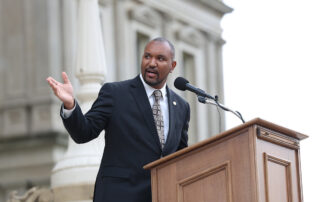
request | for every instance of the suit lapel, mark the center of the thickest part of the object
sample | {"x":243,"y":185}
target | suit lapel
{"x":143,"y":104}
{"x":172,"y":111}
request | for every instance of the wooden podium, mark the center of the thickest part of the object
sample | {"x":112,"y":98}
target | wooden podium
{"x":255,"y":162}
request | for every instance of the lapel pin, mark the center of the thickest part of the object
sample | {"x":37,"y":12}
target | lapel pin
{"x":174,"y":103}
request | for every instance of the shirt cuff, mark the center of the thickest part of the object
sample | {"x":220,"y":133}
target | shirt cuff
{"x":66,"y":113}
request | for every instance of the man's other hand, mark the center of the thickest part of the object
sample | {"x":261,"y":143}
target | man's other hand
{"x":64,"y":91}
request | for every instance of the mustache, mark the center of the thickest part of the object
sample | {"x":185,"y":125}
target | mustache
{"x":152,"y":69}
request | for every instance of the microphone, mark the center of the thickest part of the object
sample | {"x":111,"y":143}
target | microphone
{"x":183,"y":84}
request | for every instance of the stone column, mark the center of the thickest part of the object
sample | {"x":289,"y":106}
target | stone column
{"x":73,"y":177}
{"x":215,"y":81}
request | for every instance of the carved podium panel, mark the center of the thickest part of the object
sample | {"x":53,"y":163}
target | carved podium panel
{"x":255,"y":162}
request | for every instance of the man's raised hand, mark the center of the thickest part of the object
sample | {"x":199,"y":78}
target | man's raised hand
{"x":64,"y":91}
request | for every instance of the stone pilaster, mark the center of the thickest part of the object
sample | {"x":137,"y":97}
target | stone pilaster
{"x":77,"y":171}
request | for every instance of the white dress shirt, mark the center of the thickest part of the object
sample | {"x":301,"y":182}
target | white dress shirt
{"x":149,"y":90}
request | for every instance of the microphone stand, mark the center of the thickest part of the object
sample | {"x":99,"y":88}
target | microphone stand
{"x":214,"y":101}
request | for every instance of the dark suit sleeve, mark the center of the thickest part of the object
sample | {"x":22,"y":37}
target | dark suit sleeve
{"x":83,"y":128}
{"x":184,"y":133}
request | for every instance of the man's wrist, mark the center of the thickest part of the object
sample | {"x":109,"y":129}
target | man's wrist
{"x":69,"y":106}
{"x":66,"y":113}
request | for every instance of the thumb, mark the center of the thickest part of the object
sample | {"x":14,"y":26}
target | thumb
{"x":65,"y":78}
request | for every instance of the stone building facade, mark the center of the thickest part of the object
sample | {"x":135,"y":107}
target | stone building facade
{"x":39,"y":38}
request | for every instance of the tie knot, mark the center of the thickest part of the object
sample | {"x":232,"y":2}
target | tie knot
{"x":157,"y":94}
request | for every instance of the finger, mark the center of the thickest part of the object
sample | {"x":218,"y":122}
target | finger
{"x":49,"y":79}
{"x":53,"y":81}
{"x":52,"y":85}
{"x":65,"y":78}
{"x":50,"y":82}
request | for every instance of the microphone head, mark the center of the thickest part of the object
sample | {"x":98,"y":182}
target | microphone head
{"x":180,"y":83}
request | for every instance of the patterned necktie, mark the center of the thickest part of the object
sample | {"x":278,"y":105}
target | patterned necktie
{"x":158,"y":118}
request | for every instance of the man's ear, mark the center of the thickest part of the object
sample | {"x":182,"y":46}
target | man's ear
{"x":173,"y":65}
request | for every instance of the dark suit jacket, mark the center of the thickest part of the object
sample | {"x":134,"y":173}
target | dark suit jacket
{"x":123,"y":110}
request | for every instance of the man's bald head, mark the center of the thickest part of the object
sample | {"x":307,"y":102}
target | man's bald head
{"x":164,"y":40}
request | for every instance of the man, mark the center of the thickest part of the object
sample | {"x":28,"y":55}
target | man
{"x":143,"y":120}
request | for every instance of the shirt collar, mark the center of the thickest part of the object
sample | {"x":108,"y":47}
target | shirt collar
{"x":149,"y":89}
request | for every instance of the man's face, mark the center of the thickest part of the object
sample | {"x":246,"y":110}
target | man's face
{"x":157,"y":63}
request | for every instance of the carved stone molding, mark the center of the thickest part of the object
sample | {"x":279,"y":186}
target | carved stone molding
{"x":15,"y":121}
{"x":34,"y":194}
{"x":105,"y":3}
{"x":191,"y":36}
{"x":216,"y":5}
{"x":146,"y":15}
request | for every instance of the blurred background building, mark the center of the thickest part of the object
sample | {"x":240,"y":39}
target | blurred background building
{"x":40,"y":38}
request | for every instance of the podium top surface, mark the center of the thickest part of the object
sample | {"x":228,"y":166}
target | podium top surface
{"x":256,"y":121}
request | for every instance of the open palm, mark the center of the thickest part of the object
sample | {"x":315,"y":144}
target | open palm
{"x":64,"y":91}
